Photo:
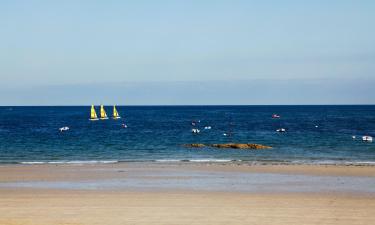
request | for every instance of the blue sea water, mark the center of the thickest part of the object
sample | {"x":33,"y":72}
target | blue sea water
{"x":315,"y":134}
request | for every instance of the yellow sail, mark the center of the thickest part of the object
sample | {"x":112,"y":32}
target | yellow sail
{"x":103,"y":114}
{"x":115,"y":113}
{"x":93,"y":115}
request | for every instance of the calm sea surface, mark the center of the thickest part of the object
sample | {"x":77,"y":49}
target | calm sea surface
{"x":315,"y":134}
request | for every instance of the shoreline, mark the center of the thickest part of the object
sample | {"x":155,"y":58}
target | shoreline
{"x":304,"y":168}
{"x":195,"y":161}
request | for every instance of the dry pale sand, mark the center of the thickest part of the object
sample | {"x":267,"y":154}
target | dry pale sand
{"x":58,"y":206}
{"x":41,"y":207}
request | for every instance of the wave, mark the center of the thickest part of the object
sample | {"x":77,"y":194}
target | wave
{"x":212,"y":160}
{"x":169,"y":160}
{"x":196,"y":160}
{"x":330,"y":162}
{"x":204,"y":160}
{"x":72,"y":162}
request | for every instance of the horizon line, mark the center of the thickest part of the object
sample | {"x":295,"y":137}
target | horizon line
{"x":191,"y":105}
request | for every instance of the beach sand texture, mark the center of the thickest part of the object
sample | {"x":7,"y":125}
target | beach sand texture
{"x":42,"y":206}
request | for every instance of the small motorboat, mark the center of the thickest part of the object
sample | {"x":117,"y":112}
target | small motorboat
{"x":195,"y":131}
{"x":367,"y":138}
{"x":124,"y":125}
{"x":207,"y":128}
{"x":281,"y":130}
{"x":61,"y":129}
{"x":275,"y":116}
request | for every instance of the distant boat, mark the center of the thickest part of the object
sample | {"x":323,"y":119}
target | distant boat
{"x":367,"y":138}
{"x":281,"y":130}
{"x":61,"y":129}
{"x":93,"y":115}
{"x":103,"y":114}
{"x":115,"y":113}
{"x":275,"y":116}
{"x":195,"y":131}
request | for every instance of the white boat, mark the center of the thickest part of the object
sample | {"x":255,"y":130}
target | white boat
{"x":93,"y":116}
{"x":195,"y":131}
{"x":367,"y":138}
{"x":61,"y":129}
{"x":281,"y":130}
{"x":207,"y":128}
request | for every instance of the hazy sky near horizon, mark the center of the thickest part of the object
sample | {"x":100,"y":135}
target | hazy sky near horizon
{"x":69,"y":44}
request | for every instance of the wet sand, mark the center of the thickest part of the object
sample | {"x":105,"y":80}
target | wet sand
{"x":53,"y":196}
{"x":51,"y":172}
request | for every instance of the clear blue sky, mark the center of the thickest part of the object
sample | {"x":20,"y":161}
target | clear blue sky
{"x":187,"y":52}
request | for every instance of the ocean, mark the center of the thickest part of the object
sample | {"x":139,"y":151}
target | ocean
{"x":314,"y":134}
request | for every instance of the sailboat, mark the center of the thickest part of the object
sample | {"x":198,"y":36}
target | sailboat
{"x":103,"y":114}
{"x":93,"y":115}
{"x":115,"y":113}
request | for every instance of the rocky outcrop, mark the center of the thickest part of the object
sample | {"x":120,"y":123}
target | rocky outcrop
{"x":195,"y":145}
{"x":230,"y":145}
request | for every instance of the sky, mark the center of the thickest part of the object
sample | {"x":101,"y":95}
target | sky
{"x":187,"y":52}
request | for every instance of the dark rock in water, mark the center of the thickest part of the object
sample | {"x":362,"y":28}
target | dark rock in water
{"x":195,"y":145}
{"x":230,"y":145}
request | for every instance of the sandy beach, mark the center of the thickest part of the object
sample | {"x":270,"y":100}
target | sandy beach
{"x":87,"y":194}
{"x":105,"y":207}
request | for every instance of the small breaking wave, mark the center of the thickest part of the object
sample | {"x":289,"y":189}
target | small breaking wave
{"x":71,"y":162}
{"x":203,"y":160}
{"x":196,"y":160}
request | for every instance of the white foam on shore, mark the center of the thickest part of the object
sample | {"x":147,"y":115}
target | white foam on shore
{"x":72,"y":162}
{"x":170,"y":160}
{"x":207,"y":160}
{"x":195,"y":160}
{"x":330,"y":162}
{"x":211,"y":160}
{"x":33,"y":162}
{"x":365,"y":162}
